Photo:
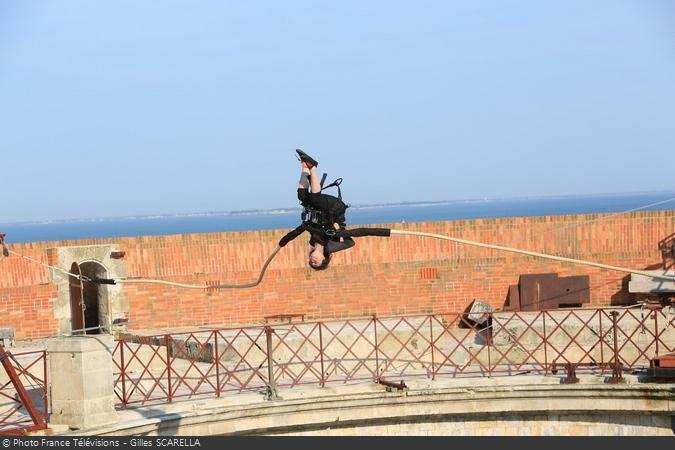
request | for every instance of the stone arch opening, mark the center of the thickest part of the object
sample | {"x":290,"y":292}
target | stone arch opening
{"x":95,"y":298}
{"x":76,"y":302}
{"x":110,"y":300}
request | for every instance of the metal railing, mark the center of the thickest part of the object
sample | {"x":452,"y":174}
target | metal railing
{"x":169,"y":367}
{"x":24,"y":402}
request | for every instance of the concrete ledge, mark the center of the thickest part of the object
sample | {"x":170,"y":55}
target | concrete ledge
{"x":438,"y":407}
{"x":642,"y":284}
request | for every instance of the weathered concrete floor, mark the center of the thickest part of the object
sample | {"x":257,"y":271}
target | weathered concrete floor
{"x":148,"y":417}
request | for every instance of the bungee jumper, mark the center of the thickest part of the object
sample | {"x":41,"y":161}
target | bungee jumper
{"x":323,"y":216}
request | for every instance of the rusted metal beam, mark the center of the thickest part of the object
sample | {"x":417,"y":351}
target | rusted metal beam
{"x":26,"y":401}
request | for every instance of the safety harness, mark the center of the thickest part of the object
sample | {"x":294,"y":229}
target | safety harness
{"x":324,"y":220}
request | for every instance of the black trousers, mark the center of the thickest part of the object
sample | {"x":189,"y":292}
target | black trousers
{"x":323,"y":202}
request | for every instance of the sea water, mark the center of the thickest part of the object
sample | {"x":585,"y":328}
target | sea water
{"x":356,"y":215}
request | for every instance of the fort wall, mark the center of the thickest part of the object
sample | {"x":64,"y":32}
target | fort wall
{"x":384,"y":276}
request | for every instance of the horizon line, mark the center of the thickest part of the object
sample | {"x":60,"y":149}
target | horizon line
{"x":286,"y":210}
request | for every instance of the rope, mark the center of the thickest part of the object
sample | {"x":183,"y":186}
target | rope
{"x":393,"y":232}
{"x":612,"y":215}
{"x":535,"y":254}
{"x":415,"y":233}
{"x":167,"y":283}
{"x":204,"y":286}
{"x":579,"y":223}
{"x":79,"y":277}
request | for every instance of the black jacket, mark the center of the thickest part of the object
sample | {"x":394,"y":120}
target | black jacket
{"x":341,"y":240}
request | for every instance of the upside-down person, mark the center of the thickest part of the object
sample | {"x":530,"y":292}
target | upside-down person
{"x":323,"y":217}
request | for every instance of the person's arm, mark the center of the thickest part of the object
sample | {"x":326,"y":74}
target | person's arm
{"x":344,"y":243}
{"x":360,"y":232}
{"x":345,"y":237}
{"x":291,"y":235}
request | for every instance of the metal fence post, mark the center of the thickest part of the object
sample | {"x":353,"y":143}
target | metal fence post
{"x":616,"y":369}
{"x":602,"y":340}
{"x":123,"y":370}
{"x":543,"y":319}
{"x":377,"y":355}
{"x":322,"y":380}
{"x":271,"y":384}
{"x":216,"y":359}
{"x":46,"y":391}
{"x":168,"y":364}
{"x":489,"y":343}
{"x":656,"y":331}
{"x":431,"y":335}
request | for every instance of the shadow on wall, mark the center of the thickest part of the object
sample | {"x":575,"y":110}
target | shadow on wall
{"x":622,"y":297}
{"x":667,"y":249}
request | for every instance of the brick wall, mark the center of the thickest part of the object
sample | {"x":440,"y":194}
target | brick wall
{"x":26,"y":295}
{"x":396,"y":275}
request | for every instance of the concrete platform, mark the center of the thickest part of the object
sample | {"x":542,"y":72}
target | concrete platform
{"x":527,"y":405}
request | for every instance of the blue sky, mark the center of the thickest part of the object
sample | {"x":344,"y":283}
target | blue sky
{"x":139,"y":107}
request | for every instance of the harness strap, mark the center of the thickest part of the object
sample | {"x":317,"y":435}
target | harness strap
{"x":337,"y":183}
{"x":320,"y":218}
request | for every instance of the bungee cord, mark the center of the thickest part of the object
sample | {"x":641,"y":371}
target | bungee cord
{"x":579,"y":223}
{"x":155,"y":281}
{"x":534,"y":254}
{"x":393,"y":232}
{"x":204,"y":286}
{"x":58,"y":269}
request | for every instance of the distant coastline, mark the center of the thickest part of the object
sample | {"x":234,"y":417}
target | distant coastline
{"x":281,"y":218}
{"x":289,"y":210}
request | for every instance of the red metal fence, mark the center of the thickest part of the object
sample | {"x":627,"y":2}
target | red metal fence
{"x":24,"y":403}
{"x":262,"y":359}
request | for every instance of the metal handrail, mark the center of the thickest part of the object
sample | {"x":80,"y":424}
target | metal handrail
{"x":267,"y":358}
